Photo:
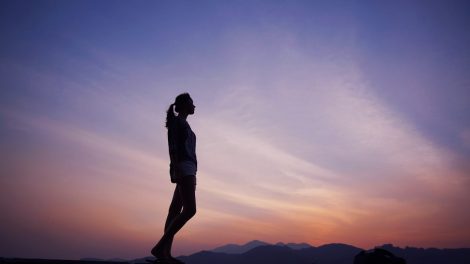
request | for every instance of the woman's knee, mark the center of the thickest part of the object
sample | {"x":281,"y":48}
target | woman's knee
{"x":174,"y":209}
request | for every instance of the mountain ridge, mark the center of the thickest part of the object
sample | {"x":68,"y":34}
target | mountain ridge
{"x":334,"y":253}
{"x":281,"y":253}
{"x":239,"y":249}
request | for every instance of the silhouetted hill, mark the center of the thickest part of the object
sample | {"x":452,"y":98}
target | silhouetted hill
{"x":330,"y":254}
{"x":327,"y":254}
{"x":431,"y":255}
{"x":239,"y":249}
{"x":204,"y":257}
{"x":272,"y":254}
{"x":282,"y":254}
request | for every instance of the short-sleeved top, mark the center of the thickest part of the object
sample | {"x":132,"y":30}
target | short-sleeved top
{"x":182,"y":148}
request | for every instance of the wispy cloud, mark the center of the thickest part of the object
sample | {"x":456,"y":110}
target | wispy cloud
{"x":355,"y":161}
{"x":296,"y":141}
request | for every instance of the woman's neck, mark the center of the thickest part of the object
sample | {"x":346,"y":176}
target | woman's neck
{"x":183,"y":115}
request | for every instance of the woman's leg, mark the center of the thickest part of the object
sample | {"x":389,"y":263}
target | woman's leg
{"x":188,"y":195}
{"x":186,"y":191}
{"x":174,"y":210}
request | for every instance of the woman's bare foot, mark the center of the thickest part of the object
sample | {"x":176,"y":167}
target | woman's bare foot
{"x":158,"y":252}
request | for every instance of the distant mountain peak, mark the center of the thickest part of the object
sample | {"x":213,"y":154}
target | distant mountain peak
{"x":294,"y":245}
{"x":239,"y":249}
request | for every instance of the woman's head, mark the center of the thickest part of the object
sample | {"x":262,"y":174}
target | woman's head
{"x":183,"y":105}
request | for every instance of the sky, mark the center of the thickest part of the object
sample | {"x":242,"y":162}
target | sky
{"x":316,"y":121}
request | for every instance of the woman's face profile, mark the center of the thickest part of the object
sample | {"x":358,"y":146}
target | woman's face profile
{"x":190,"y":106}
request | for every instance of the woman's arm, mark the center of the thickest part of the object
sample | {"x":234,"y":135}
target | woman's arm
{"x":177,"y":136}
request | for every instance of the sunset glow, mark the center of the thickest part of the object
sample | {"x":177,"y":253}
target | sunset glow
{"x":316,"y":122}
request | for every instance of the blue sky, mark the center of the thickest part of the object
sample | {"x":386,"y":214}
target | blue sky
{"x":339,"y":113}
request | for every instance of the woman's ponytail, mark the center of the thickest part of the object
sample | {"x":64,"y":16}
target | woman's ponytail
{"x":170,"y":115}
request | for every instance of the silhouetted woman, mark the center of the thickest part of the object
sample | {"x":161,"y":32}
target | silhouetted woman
{"x":183,"y":167}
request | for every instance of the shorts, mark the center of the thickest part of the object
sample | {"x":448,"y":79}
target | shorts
{"x":187,"y":167}
{"x":182,"y":170}
{"x":188,"y":179}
